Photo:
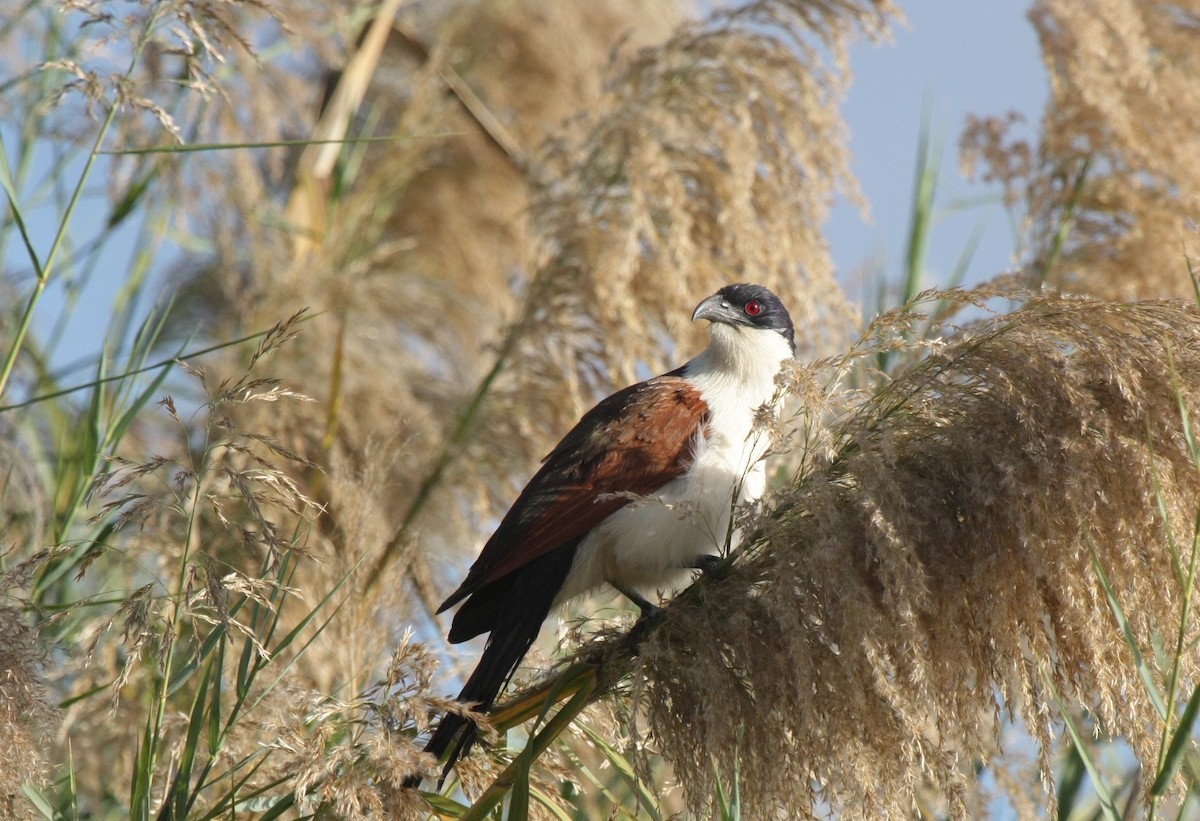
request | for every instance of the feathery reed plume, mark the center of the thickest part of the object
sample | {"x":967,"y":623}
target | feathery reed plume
{"x":553,"y":184}
{"x":714,"y":157}
{"x":25,"y":713}
{"x":1112,"y":190}
{"x":937,"y":566}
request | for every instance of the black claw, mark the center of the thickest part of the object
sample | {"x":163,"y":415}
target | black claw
{"x":650,"y":611}
{"x":707,"y":564}
{"x":643,"y":604}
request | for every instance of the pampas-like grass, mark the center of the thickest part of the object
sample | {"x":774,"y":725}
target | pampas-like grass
{"x":1117,"y":158}
{"x":936,"y":568}
{"x":932,"y":563}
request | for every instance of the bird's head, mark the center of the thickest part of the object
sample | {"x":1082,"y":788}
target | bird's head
{"x":748,"y":308}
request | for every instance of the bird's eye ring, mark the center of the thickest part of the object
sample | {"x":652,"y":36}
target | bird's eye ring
{"x":753,"y":308}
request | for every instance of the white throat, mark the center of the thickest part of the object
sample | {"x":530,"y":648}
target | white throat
{"x":741,"y":360}
{"x":736,"y":376}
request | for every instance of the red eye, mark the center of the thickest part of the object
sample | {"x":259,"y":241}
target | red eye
{"x":753,"y":308}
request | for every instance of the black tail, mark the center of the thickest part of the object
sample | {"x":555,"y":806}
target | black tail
{"x":524,"y":600}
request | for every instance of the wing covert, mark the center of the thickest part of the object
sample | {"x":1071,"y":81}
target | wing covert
{"x":633,"y":442}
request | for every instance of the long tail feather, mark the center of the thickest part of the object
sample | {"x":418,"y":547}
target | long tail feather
{"x":531,"y":594}
{"x":505,"y":648}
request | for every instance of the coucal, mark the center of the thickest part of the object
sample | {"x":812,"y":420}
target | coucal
{"x":640,"y":490}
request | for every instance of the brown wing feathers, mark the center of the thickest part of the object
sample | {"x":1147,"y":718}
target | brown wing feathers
{"x":635,"y":441}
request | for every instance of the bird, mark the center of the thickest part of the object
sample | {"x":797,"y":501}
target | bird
{"x":638,"y":493}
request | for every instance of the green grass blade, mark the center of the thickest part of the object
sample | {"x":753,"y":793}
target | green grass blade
{"x":278,"y":808}
{"x":929,"y":160}
{"x":1107,"y":804}
{"x":968,"y":253}
{"x":86,"y":694}
{"x":622,"y":766}
{"x":249,"y":651}
{"x":187,"y":355}
{"x":231,"y":800}
{"x":536,"y":745}
{"x":72,"y":785}
{"x":39,"y":801}
{"x":133,"y":195}
{"x":1185,"y":418}
{"x":77,"y":464}
{"x":14,"y":208}
{"x":177,"y":796}
{"x":1065,"y":225}
{"x":303,"y":648}
{"x":732,"y":811}
{"x":192,"y":148}
{"x":444,"y":805}
{"x":730,"y":806}
{"x":308,"y":619}
{"x":211,"y":642}
{"x":518,"y":805}
{"x":1189,"y":801}
{"x":1070,"y":782}
{"x":116,"y":432}
{"x":550,"y":804}
{"x":139,"y":787}
{"x":1194,"y":276}
{"x":1179,"y":745}
{"x":214,"y":708}
{"x":1139,"y":661}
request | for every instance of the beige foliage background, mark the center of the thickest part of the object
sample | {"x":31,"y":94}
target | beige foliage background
{"x":548,"y":188}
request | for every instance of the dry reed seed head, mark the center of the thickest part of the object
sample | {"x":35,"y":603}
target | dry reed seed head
{"x":688,"y":173}
{"x":714,"y":156}
{"x":1005,"y":158}
{"x":354,"y":756}
{"x":1119,"y":157}
{"x":461,"y":216}
{"x":193,"y":67}
{"x":940,"y":567}
{"x":23,"y":498}
{"x":197,"y":511}
{"x":26,"y":716}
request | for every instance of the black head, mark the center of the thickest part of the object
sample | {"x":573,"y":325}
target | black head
{"x":746,"y":305}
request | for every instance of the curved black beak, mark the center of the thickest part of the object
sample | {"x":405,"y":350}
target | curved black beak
{"x":716,"y":309}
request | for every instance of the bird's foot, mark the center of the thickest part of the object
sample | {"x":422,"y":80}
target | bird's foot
{"x":707,"y":564}
{"x":648,"y":609}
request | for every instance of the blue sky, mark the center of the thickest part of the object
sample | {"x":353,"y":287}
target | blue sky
{"x":967,"y":57}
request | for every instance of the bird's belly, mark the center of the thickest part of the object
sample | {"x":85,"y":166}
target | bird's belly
{"x":652,"y":542}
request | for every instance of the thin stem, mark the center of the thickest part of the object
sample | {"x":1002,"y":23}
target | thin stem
{"x":445,"y":456}
{"x":45,"y":269}
{"x":120,"y":377}
{"x":164,"y":686}
{"x":1064,"y":227}
{"x":1176,"y":665}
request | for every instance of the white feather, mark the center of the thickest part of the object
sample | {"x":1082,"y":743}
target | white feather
{"x":649,"y":544}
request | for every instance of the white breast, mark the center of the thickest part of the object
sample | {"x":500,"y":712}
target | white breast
{"x":650,"y":543}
